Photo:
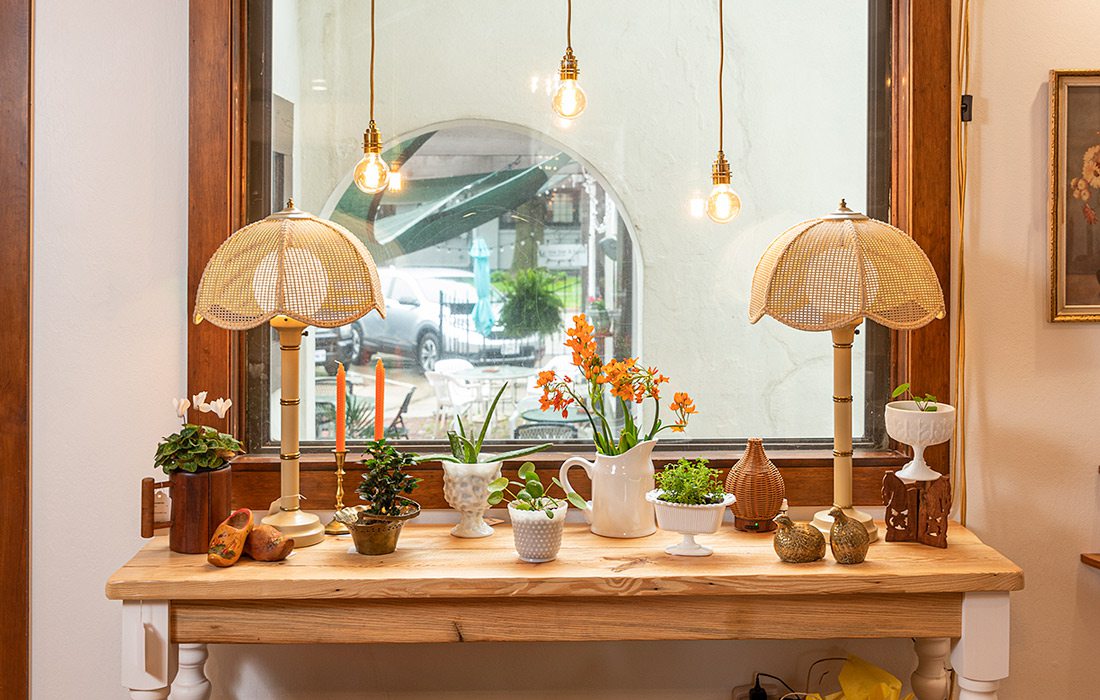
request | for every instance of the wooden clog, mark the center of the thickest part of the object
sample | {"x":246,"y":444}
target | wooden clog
{"x":267,"y":543}
{"x":228,"y":542}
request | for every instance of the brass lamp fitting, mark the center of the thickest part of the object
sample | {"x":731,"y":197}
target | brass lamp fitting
{"x":372,"y":139}
{"x":569,"y":69}
{"x":720,"y":173}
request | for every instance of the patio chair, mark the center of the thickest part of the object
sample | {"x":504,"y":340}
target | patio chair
{"x":397,"y":429}
{"x":452,"y":397}
{"x":545,"y":431}
{"x":451,"y":365}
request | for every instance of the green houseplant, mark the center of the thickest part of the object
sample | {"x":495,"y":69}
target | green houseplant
{"x":196,"y":459}
{"x":467,"y":473}
{"x":689,"y":499}
{"x":384,"y":489}
{"x":537,"y":517}
{"x":920,"y":422}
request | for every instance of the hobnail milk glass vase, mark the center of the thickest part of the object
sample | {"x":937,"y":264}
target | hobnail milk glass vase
{"x":537,"y":537}
{"x":466,"y":488}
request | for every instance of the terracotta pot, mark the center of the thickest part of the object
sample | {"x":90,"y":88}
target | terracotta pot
{"x":200,"y":502}
{"x":758,"y":487}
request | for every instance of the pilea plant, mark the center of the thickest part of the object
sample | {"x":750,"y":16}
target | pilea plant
{"x":465,"y":450}
{"x":926,"y":403}
{"x":530,"y":493}
{"x":690,"y":483}
{"x":385,"y":482}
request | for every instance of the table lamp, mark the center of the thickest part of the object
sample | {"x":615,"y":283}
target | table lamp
{"x":828,"y":274}
{"x":292,"y":270}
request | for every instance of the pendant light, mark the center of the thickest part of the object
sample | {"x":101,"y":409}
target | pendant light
{"x":723,"y":204}
{"x":371,"y":173}
{"x":569,"y":101}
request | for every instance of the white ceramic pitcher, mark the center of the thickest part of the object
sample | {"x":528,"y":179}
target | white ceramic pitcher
{"x":619,"y":484}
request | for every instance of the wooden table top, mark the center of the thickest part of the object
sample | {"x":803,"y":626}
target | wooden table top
{"x":429,"y":563}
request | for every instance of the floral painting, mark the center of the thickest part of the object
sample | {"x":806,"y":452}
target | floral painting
{"x":1075,"y":196}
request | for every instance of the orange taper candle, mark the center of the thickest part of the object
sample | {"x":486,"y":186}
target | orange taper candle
{"x":379,"y":399}
{"x":341,"y":408}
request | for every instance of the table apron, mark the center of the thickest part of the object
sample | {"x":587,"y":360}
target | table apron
{"x":342,"y":621}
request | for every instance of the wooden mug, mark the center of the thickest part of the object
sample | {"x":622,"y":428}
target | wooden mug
{"x":200,"y":502}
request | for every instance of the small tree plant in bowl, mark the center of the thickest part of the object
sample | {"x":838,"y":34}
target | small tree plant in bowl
{"x":537,"y":517}
{"x":385,"y":487}
{"x":919,"y":421}
{"x":467,"y":473}
{"x":689,"y":499}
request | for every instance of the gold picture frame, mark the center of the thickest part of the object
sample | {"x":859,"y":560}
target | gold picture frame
{"x":1074,"y":207}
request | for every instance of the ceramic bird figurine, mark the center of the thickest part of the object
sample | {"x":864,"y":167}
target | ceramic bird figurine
{"x":798,"y":543}
{"x":848,"y":538}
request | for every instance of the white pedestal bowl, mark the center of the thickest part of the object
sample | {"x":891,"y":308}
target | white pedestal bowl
{"x":908,"y":424}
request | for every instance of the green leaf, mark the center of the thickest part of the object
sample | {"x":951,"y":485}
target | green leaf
{"x":522,"y":452}
{"x":488,"y":420}
{"x":495,"y":497}
{"x":899,"y":390}
{"x":534,"y":487}
{"x":575,"y":498}
{"x":498,"y":484}
{"x":521,"y":505}
{"x":526,"y":471}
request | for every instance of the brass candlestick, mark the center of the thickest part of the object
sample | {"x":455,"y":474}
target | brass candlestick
{"x":335,"y":527}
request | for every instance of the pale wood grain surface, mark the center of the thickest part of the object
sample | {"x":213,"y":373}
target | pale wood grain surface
{"x":429,"y":563}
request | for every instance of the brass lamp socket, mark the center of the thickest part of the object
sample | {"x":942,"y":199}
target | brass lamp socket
{"x":372,"y":139}
{"x":720,"y":173}
{"x":569,"y":69}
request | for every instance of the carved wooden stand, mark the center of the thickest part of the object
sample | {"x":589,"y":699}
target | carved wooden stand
{"x":916,"y":511}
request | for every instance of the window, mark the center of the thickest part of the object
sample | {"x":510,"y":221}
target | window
{"x":601,"y":209}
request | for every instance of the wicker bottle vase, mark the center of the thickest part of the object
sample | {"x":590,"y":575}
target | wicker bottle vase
{"x":758,"y":487}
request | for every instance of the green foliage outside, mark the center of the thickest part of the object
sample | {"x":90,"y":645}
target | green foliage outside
{"x":690,"y":483}
{"x":532,"y":304}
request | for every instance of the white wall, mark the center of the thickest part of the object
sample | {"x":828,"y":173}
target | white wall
{"x":109,"y":345}
{"x":109,"y":327}
{"x":1033,"y":437}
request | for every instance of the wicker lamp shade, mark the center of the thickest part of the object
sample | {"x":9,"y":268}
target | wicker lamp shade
{"x":834,"y":271}
{"x":290,"y":264}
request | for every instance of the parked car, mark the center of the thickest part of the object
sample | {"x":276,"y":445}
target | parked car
{"x":428,"y":317}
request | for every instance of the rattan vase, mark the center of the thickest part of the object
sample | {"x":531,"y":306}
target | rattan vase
{"x":758,"y":487}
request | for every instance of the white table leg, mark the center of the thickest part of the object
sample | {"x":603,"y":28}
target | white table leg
{"x":148,"y":659}
{"x":980,"y":656}
{"x":930,"y":681}
{"x":191,"y":682}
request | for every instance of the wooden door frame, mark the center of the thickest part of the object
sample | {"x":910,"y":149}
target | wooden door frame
{"x":16,"y":124}
{"x":920,"y":204}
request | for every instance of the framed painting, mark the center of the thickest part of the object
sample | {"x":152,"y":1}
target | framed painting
{"x":1075,"y":195}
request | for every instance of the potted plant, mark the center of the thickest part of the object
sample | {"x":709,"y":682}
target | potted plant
{"x":531,"y":303}
{"x":622,"y":473}
{"x":376,"y":526}
{"x":601,"y":319}
{"x":537,"y":517}
{"x":690,"y":500}
{"x":196,"y":460}
{"x":919,"y":421}
{"x":467,"y":473}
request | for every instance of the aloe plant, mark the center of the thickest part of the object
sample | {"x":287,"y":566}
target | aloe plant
{"x":466,"y":450}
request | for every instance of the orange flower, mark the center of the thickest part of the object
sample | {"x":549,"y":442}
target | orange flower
{"x":683,"y":406}
{"x":581,"y":342}
{"x":623,"y":376}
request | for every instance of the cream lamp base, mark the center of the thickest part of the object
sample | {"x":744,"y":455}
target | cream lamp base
{"x":824,"y":522}
{"x":305,"y":528}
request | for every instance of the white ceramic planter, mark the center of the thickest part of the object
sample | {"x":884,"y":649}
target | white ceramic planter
{"x":907,"y":423}
{"x":466,"y":488}
{"x":537,"y":537}
{"x":689,"y":520}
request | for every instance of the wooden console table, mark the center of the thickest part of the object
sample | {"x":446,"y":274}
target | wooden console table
{"x":437,"y":588}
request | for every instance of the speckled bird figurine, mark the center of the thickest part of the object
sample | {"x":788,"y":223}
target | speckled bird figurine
{"x":798,"y":543}
{"x":848,"y":538}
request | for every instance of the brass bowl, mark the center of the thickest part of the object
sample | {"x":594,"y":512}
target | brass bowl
{"x":376,"y":534}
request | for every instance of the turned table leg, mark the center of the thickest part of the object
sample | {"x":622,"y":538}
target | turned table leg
{"x":930,"y":681}
{"x":980,"y":656}
{"x":148,"y":658}
{"x":191,"y":682}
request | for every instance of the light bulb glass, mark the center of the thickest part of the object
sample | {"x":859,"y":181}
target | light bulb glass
{"x":371,"y":174}
{"x":723,"y":204}
{"x":569,"y":101}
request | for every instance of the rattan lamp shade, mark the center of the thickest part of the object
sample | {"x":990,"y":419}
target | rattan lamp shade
{"x":290,"y":264}
{"x":834,"y":271}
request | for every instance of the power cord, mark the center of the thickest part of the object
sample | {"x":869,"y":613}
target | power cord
{"x":758,"y":693}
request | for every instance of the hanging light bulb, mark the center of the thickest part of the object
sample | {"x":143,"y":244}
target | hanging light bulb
{"x":723,"y":204}
{"x":371,"y":173}
{"x":569,"y":100}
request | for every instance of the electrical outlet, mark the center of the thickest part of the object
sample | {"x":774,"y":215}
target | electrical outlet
{"x":775,"y":691}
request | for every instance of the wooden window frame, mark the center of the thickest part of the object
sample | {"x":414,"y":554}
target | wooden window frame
{"x":920,"y":203}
